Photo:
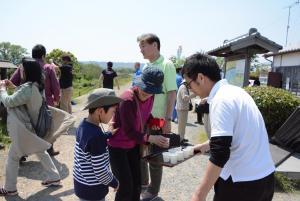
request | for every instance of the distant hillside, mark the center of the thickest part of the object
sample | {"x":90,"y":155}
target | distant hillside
{"x":116,"y":64}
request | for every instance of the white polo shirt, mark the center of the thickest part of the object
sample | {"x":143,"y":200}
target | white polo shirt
{"x":234,"y":113}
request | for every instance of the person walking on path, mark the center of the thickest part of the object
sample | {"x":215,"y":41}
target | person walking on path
{"x":162,"y":108}
{"x":131,"y":119}
{"x":178,"y":82}
{"x":182,"y":106}
{"x":52,"y":89}
{"x":108,"y":76}
{"x":91,"y":172}
{"x":66,"y":83}
{"x":23,"y":111}
{"x":240,"y":166}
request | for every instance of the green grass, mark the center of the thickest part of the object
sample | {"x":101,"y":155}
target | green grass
{"x":284,"y":184}
{"x":202,"y":137}
{"x":84,"y":86}
{"x":124,"y":79}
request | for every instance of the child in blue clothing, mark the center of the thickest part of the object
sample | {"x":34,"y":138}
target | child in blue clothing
{"x":92,"y":174}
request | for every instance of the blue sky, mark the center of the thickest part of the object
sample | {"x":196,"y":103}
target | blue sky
{"x":107,"y":30}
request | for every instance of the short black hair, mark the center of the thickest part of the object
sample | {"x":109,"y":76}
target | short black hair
{"x":109,"y":64}
{"x":105,"y":108}
{"x":149,"y":38}
{"x":201,"y":63}
{"x":178,"y":70}
{"x":66,"y":58}
{"x":38,"y":51}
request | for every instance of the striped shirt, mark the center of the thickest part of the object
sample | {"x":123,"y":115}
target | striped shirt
{"x":91,"y":172}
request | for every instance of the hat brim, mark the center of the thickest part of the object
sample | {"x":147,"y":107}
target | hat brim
{"x":103,"y":101}
{"x":149,"y":89}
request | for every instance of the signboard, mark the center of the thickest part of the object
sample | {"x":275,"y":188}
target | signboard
{"x":235,"y":72}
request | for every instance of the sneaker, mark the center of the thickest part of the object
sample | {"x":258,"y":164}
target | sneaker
{"x":146,"y":196}
{"x":4,"y":192}
{"x":51,"y":183}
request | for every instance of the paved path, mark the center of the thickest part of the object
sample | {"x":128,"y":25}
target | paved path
{"x":178,"y":182}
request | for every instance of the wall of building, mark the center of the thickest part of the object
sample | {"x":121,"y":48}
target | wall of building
{"x":290,"y":59}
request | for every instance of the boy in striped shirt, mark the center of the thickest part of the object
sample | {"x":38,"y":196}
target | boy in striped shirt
{"x":92,"y":174}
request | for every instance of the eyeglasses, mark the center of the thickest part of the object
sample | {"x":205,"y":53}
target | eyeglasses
{"x":188,"y":84}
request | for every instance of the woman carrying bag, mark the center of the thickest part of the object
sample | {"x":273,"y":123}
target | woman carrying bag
{"x":131,"y":118}
{"x":23,"y":108}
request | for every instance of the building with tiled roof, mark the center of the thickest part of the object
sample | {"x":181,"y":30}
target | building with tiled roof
{"x":287,"y":63}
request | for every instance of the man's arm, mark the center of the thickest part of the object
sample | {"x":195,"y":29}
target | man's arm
{"x":55,"y":88}
{"x":211,"y":175}
{"x":220,"y":153}
{"x":203,"y":147}
{"x":171,"y":97}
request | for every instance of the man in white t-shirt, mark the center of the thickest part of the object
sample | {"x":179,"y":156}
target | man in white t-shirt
{"x":240,"y":166}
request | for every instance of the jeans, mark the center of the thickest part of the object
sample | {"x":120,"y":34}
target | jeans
{"x":125,"y":164}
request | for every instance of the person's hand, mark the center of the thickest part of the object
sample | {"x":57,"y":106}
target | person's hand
{"x":111,"y":127}
{"x":56,"y":103}
{"x":203,"y":101}
{"x":9,"y":84}
{"x":116,"y":189}
{"x":154,"y":127}
{"x":167,"y":127}
{"x":203,"y":148}
{"x":159,"y":141}
{"x":197,"y":197}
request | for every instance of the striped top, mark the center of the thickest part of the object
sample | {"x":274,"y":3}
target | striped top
{"x":91,"y":172}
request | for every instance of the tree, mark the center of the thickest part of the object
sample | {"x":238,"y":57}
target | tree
{"x":11,"y":52}
{"x":220,"y":61}
{"x":254,"y":63}
{"x":56,"y":56}
{"x":177,"y":61}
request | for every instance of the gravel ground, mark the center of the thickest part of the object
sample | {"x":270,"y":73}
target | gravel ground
{"x":178,"y":182}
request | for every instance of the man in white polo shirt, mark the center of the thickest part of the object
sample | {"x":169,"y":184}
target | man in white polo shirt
{"x":240,"y":166}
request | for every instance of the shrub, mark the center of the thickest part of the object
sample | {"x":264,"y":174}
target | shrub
{"x":285,"y":184}
{"x":276,"y":105}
